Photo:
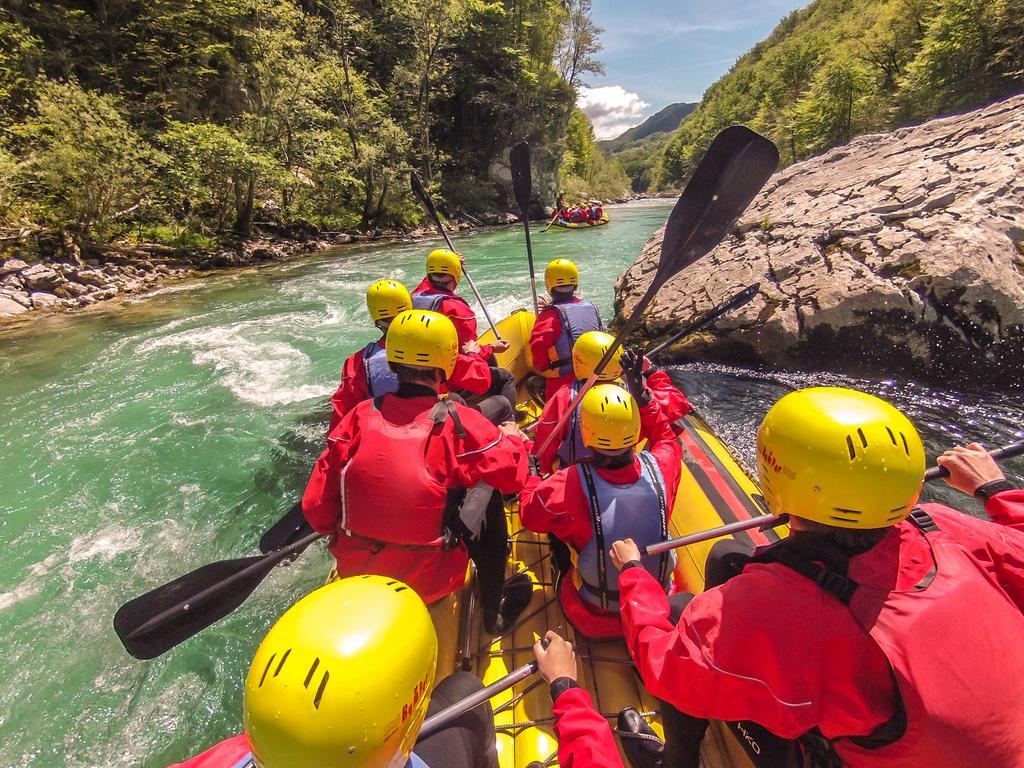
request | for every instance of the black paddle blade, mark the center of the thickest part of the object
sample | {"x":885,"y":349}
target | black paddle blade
{"x":286,"y":531}
{"x":522,"y":185}
{"x":735,"y":168}
{"x":155,"y":622}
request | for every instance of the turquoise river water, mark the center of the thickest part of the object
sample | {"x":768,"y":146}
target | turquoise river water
{"x":141,"y":441}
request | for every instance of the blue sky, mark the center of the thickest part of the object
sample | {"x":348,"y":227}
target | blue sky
{"x":657,"y":52}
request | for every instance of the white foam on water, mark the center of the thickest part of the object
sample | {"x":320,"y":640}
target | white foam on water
{"x":501,"y":308}
{"x":164,"y":292}
{"x":257,"y":367}
{"x":104,"y":544}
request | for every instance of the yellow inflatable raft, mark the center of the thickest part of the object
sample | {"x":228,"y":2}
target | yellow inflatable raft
{"x":713,"y":490}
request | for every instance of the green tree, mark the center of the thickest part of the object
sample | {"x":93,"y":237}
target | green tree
{"x":828,"y":113}
{"x":949,"y":71}
{"x":86,"y":167}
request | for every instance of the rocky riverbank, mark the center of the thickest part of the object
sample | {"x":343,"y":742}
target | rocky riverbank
{"x":899,"y":253}
{"x":54,"y":272}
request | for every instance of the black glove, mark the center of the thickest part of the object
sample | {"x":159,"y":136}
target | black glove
{"x":633,"y":373}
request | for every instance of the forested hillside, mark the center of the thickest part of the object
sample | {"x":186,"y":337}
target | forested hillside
{"x":639,"y":150}
{"x":184,"y":121}
{"x":840,"y":68}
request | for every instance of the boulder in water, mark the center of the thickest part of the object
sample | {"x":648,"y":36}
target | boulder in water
{"x":900,"y":253}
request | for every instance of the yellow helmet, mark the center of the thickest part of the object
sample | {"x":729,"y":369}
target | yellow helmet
{"x":559,"y":273}
{"x":609,"y":418}
{"x":444,"y":262}
{"x":587,"y":352}
{"x":386,"y":299}
{"x":423,"y":339}
{"x":839,"y":457}
{"x":342,"y":679}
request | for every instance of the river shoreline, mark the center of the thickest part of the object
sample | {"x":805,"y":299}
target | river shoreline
{"x":76,"y":278}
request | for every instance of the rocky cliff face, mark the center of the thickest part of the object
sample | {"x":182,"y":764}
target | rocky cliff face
{"x":900,"y":253}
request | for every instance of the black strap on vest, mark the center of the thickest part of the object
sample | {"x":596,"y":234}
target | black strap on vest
{"x":652,"y":470}
{"x":819,"y":751}
{"x":595,"y":517}
{"x":366,"y":369}
{"x":603,"y":592}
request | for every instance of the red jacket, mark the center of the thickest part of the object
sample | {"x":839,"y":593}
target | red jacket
{"x":560,"y":505}
{"x":585,"y":739}
{"x":226,"y":754}
{"x":674,"y":406}
{"x":772,"y":647}
{"x":471,"y":374}
{"x":546,"y":332}
{"x":459,"y":313}
{"x":483,"y":454}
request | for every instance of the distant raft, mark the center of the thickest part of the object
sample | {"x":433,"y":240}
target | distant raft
{"x":588,"y":224}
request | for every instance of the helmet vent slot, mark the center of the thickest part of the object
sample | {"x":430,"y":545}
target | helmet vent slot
{"x":906,"y":447}
{"x":320,"y":690}
{"x":843,"y":519}
{"x":849,"y":445}
{"x":849,"y":511}
{"x":312,"y":669}
{"x":281,"y":663}
{"x":891,"y":436}
{"x":399,"y":589}
{"x":863,"y":440}
{"x":267,"y":669}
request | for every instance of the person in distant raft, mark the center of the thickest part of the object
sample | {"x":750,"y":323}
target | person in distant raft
{"x":366,"y":373}
{"x":559,"y":324}
{"x":405,"y":485}
{"x":436,"y":292}
{"x":568,"y":448}
{"x":618,"y":493}
{"x":879,"y":633}
{"x":345,"y":678}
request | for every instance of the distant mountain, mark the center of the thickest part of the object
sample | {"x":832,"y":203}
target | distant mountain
{"x":665,"y":121}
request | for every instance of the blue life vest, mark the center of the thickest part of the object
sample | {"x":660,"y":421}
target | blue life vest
{"x":578,"y":317}
{"x":635,"y":511}
{"x":572,"y":449}
{"x":431,"y":300}
{"x":380,"y":379}
{"x":245,"y":762}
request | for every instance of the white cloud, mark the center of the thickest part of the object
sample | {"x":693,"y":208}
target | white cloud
{"x":612,"y":109}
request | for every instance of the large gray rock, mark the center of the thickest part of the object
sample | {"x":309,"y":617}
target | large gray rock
{"x":43,"y":300}
{"x":12,"y":265}
{"x":9,"y":306}
{"x":898,"y":253}
{"x":41,"y":278}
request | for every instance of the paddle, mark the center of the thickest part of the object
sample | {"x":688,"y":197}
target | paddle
{"x":286,"y":531}
{"x":155,"y":622}
{"x":770,"y":521}
{"x":424,"y":197}
{"x":436,"y":722}
{"x":735,"y":168}
{"x":521,"y":187}
{"x":730,"y":304}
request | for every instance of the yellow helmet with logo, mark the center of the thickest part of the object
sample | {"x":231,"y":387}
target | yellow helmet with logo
{"x":423,"y":339}
{"x":386,"y":299}
{"x":609,"y":418}
{"x":587,"y":352}
{"x":444,"y":262}
{"x":839,"y":457}
{"x":342,"y":679}
{"x":560,"y":273}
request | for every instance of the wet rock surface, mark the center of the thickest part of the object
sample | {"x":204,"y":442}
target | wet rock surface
{"x":898,"y":253}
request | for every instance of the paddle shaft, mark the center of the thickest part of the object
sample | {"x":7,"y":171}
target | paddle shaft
{"x":737,"y":301}
{"x":771,"y":521}
{"x":522,"y":188}
{"x":428,"y":205}
{"x":529,"y":258}
{"x":435,"y":723}
{"x":218,"y":587}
